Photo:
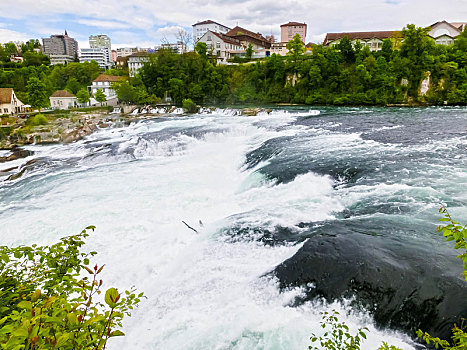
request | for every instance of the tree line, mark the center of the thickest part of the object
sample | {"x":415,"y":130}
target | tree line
{"x":343,"y":74}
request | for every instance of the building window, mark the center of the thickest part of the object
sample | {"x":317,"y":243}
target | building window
{"x":218,"y":45}
{"x":5,"y":110}
{"x":209,"y":38}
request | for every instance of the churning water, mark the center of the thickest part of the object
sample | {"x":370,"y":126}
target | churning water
{"x":256,"y":189}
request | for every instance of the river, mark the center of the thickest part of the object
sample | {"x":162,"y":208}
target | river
{"x":298,"y":211}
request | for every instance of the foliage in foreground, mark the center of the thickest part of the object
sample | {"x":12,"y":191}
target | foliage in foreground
{"x":337,"y":335}
{"x":46,"y":303}
{"x":452,"y":231}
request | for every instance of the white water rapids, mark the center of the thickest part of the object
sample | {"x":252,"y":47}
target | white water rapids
{"x":203,"y":291}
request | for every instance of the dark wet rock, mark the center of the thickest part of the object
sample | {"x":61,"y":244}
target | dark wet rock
{"x":17,"y":153}
{"x":405,"y":283}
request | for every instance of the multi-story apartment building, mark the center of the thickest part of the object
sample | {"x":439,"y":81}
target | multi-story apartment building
{"x":126,"y":51}
{"x":200,"y":28}
{"x":102,"y":56}
{"x":178,"y":47}
{"x":289,"y":30}
{"x":136,"y":61}
{"x":100,"y":51}
{"x":60,"y":48}
{"x":99,"y":41}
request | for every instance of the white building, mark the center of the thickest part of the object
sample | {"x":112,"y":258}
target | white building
{"x":374,"y":40}
{"x":9,"y":103}
{"x":103,"y":56}
{"x":136,"y":61}
{"x":222,"y":46}
{"x":104,"y":83}
{"x":99,"y":41}
{"x":179,"y":47}
{"x":63,"y":99}
{"x":200,"y":28}
{"x":279,"y":49}
{"x":61,"y":59}
{"x":445,"y":33}
{"x":126,"y":51}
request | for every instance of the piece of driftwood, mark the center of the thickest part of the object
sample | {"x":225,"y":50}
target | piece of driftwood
{"x":191,"y":228}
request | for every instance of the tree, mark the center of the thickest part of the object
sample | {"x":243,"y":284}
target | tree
{"x":37,"y":93}
{"x":83,"y":96}
{"x":249,"y":51}
{"x":346,"y":49}
{"x":73,"y":85}
{"x":100,"y":96}
{"x":386,"y":49}
{"x":296,"y":47}
{"x":184,"y":38}
{"x":201,"y":49}
{"x":189,"y":106}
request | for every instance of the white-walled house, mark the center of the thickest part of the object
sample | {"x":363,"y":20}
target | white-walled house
{"x":374,"y":40}
{"x":9,"y":103}
{"x":200,"y":28}
{"x":445,"y":33}
{"x":63,"y":99}
{"x":104,"y":82}
{"x":136,"y":62}
{"x":222,"y":46}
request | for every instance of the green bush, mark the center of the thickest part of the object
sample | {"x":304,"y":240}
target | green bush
{"x":189,"y":106}
{"x":452,"y":231}
{"x":47,"y":303}
{"x":38,"y":119}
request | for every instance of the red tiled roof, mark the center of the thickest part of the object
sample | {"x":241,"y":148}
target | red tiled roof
{"x":359,"y":35}
{"x":237,"y":31}
{"x":108,"y":78}
{"x":459,"y":25}
{"x":62,"y":93}
{"x":208,"y":22}
{"x":452,"y":25}
{"x":227,"y":39}
{"x":5,"y":95}
{"x":293,"y":24}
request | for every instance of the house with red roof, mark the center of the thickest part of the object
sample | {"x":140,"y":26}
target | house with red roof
{"x":9,"y":103}
{"x":63,"y":99}
{"x":104,"y":83}
{"x":445,"y":33}
{"x":374,"y":40}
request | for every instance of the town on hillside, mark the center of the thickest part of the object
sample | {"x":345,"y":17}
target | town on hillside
{"x":226,"y":45}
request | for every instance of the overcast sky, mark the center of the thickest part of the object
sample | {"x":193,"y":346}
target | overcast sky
{"x":144,"y":23}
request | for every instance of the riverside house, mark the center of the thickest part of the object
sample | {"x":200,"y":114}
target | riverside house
{"x":445,"y":33}
{"x":63,"y":99}
{"x":104,"y":82}
{"x":374,"y":40}
{"x":9,"y":103}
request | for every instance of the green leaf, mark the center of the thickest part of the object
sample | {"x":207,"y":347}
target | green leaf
{"x":25,"y":305}
{"x":62,"y":340}
{"x":117,"y":333}
{"x":111,"y":296}
{"x":72,"y":319}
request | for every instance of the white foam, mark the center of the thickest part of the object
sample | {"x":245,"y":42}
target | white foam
{"x":203,"y":291}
